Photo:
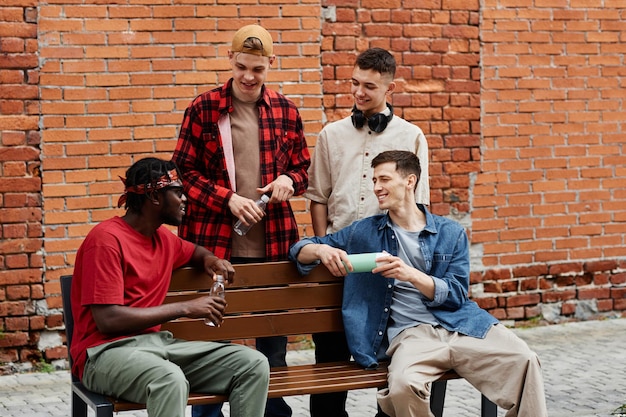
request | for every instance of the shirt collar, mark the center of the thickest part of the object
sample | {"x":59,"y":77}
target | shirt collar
{"x":226,"y":100}
{"x":385,"y":220}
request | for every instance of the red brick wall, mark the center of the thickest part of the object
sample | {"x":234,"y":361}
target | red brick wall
{"x":549,"y":202}
{"x":521,"y":105}
{"x":20,"y":186}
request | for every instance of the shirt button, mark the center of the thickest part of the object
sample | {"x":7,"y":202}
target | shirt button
{"x":386,"y":309}
{"x":389,"y":286}
{"x":380,"y":333}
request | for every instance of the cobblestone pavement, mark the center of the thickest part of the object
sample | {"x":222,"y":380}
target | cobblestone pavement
{"x":584,"y":366}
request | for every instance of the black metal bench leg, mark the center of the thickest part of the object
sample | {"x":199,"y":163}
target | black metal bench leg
{"x":104,"y":410}
{"x":82,"y":399}
{"x":437,"y":397}
{"x":79,"y":407}
{"x":488,"y":409}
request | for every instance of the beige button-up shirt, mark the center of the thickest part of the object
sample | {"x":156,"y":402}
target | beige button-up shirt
{"x":340,"y":174}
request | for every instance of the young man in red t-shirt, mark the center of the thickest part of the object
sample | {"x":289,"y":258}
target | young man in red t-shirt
{"x":121,"y":277}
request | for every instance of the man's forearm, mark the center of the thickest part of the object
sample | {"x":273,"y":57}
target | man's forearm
{"x":308,"y":253}
{"x":117,"y":319}
{"x":319,"y":218}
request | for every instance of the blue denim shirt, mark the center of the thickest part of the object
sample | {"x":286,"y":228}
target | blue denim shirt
{"x":367,"y":297}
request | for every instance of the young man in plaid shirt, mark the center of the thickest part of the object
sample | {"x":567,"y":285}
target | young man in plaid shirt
{"x":236,"y":143}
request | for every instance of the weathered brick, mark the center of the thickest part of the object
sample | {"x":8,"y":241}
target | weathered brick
{"x":55,"y":353}
{"x":554,"y":296}
{"x":54,"y":321}
{"x":20,"y":276}
{"x":522,"y":300}
{"x":9,"y":355}
{"x":618,"y":279}
{"x":16,"y":261}
{"x":565,"y":268}
{"x":12,"y":231}
{"x":13,"y":324}
{"x":13,"y":339}
{"x":568,"y":308}
{"x":37,"y":323}
{"x":597,"y":266}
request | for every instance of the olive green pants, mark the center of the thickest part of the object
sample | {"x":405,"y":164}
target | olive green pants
{"x":160,"y":371}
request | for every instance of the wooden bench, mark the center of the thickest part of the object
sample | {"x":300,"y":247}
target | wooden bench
{"x":266,"y":299}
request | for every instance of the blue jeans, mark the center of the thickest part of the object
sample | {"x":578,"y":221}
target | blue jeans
{"x":209,"y":410}
{"x":330,"y":347}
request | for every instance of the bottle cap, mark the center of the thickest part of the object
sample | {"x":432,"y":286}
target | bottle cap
{"x":265,"y":198}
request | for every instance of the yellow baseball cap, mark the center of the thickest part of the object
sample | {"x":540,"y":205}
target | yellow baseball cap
{"x":253,"y":31}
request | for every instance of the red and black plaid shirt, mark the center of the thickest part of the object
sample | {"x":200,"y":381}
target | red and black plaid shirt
{"x":200,"y":157}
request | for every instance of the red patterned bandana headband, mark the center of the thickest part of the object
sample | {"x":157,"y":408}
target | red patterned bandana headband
{"x":162,"y":182}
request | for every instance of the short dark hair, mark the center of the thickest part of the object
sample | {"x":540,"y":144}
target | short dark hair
{"x":379,"y":60}
{"x":143,"y":172}
{"x":406,"y":162}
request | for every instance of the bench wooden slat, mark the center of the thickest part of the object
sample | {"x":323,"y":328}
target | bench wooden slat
{"x":252,"y":276}
{"x":331,"y":370}
{"x":274,"y":299}
{"x":252,"y":326}
{"x":325,"y":379}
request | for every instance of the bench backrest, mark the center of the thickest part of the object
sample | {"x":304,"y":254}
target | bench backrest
{"x":68,"y":319}
{"x":266,"y":299}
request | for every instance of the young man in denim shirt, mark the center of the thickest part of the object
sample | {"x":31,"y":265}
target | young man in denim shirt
{"x":340,"y":178}
{"x":414,"y":306}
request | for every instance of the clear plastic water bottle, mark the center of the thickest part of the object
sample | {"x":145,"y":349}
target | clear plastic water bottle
{"x":240,"y":228}
{"x":217,"y":290}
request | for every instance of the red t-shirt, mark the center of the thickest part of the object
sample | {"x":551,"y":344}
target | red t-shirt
{"x":118,"y":265}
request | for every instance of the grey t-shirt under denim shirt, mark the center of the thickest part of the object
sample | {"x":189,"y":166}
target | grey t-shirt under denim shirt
{"x":407,"y":308}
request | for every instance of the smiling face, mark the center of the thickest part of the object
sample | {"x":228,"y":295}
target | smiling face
{"x":173,"y":204}
{"x":369,"y":89}
{"x":249,"y":74}
{"x":392,"y":189}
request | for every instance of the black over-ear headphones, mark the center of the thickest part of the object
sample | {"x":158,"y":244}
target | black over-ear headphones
{"x":376,"y":122}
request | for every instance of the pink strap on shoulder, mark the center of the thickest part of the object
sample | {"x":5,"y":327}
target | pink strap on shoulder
{"x":223,"y":124}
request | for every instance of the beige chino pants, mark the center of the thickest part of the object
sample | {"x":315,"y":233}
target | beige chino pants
{"x":501,"y":366}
